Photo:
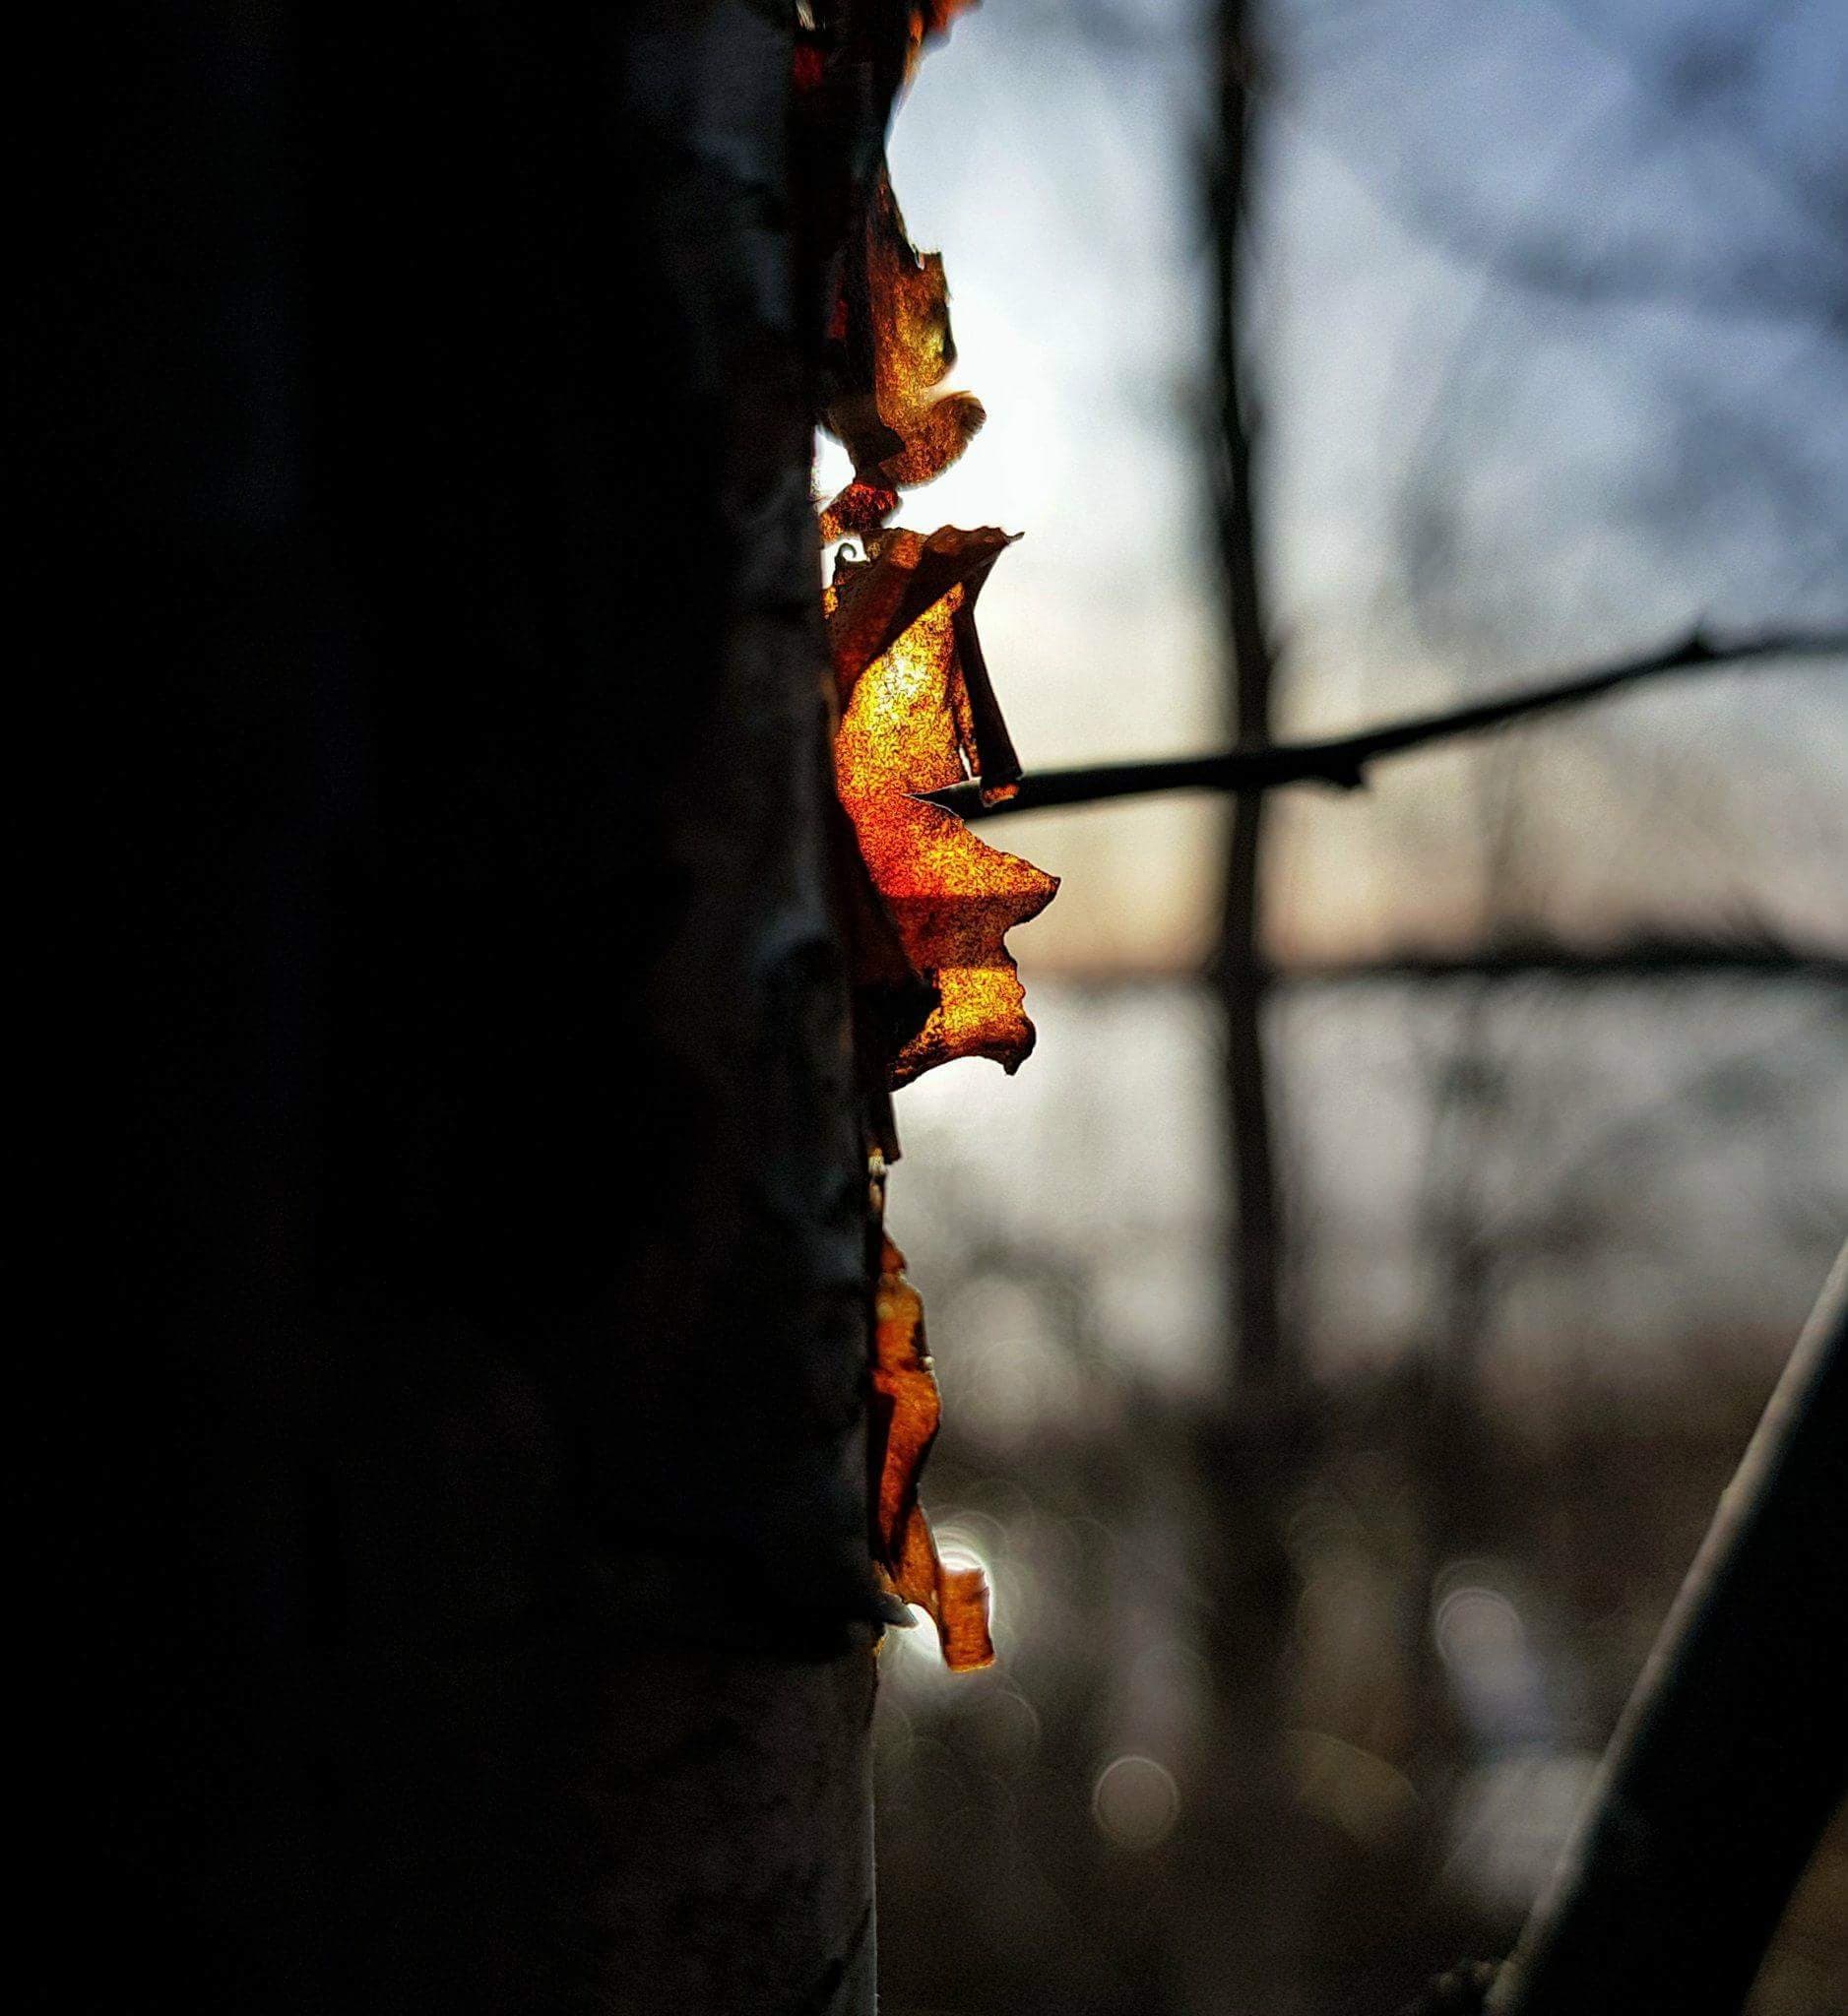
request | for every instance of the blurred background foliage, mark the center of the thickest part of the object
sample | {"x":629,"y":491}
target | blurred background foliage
{"x":1547,"y":321}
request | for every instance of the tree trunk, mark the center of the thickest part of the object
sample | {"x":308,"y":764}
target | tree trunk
{"x":1239,"y":1936}
{"x":447,"y":1187}
{"x":1243,"y":976}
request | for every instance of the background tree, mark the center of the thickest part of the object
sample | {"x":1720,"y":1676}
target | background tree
{"x":1547,"y":1138}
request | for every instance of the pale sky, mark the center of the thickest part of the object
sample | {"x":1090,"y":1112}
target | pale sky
{"x":1468,"y":481}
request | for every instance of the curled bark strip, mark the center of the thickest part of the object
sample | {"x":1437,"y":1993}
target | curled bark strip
{"x":894,"y":349}
{"x":915,"y":721}
{"x":906,"y":1411}
{"x":927,"y":904}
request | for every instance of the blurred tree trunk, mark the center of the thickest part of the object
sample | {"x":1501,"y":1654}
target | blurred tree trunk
{"x":1246,"y":625}
{"x":447,"y":1196}
{"x":1731,"y":1758}
{"x":1239,"y":1945}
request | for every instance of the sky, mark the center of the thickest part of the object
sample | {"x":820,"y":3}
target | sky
{"x":1554,"y":349}
{"x":1552,"y":331}
{"x":1551,"y":328}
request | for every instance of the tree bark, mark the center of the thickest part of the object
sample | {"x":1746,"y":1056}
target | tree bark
{"x":447,"y":1181}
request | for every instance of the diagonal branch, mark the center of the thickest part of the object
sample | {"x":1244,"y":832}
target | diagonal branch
{"x":1733,"y":1753}
{"x":1341,"y":761}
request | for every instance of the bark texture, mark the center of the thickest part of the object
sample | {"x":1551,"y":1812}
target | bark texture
{"x":448,"y":1189}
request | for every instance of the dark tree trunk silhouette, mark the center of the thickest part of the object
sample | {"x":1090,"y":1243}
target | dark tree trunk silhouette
{"x":1241,"y":976}
{"x":1237,"y":1935}
{"x":446,"y":1195}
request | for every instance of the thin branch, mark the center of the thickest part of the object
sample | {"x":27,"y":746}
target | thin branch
{"x":1647,"y":955}
{"x":1734,"y":1749}
{"x":1341,"y":761}
{"x":1640,"y":953}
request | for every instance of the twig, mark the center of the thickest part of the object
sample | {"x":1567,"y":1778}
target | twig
{"x":1341,"y":761}
{"x":1733,"y":1753}
{"x":1645,"y":955}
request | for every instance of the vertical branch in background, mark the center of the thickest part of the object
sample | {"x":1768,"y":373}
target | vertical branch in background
{"x":1470,"y":1113}
{"x":1241,"y":1945}
{"x":1233,"y":427}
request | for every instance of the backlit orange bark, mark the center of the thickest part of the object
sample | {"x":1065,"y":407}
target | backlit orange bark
{"x":928,"y":904}
{"x":907,"y":1410}
{"x":919,"y":714}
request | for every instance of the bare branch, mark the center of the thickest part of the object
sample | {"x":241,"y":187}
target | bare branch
{"x":1341,"y":761}
{"x":1643,"y":952}
{"x":1639,"y":955}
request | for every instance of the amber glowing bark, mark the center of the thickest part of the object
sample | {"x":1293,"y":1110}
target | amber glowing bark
{"x":907,"y":1410}
{"x":919,"y":714}
{"x":890,"y":412}
{"x":927,"y":903}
